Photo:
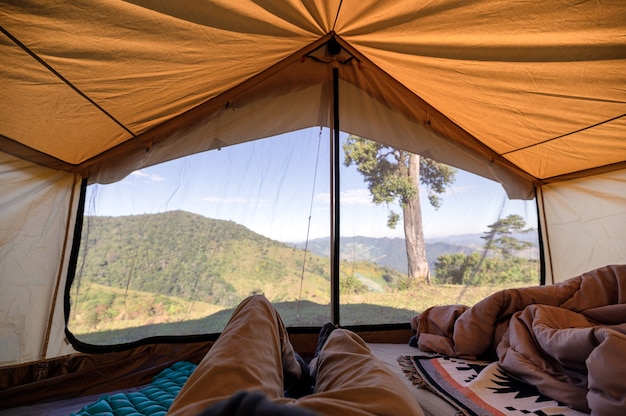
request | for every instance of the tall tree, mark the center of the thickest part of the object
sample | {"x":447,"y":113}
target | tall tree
{"x":500,"y":237}
{"x":395,"y":175}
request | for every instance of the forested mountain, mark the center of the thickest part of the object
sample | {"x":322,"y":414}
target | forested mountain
{"x":176,"y":266}
{"x":189,"y":256}
{"x":192,"y":257}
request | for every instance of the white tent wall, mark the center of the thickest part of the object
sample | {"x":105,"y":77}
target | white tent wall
{"x":525,"y":93}
{"x":583,"y":224}
{"x":38,"y":208}
{"x":360,"y":114}
{"x":367,"y":117}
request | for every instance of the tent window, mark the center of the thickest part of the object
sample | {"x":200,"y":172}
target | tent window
{"x":172,"y":249}
{"x":476,"y":240}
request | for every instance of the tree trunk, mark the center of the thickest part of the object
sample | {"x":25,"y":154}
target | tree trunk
{"x":413,"y":232}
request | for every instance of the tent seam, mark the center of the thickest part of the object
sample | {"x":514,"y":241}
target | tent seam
{"x":337,"y":15}
{"x":564,"y":135}
{"x":62,"y":78}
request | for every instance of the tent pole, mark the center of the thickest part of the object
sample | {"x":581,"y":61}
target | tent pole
{"x":334,"y":235}
{"x":545,"y":254}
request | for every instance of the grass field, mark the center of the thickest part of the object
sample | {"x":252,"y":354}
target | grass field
{"x":129,"y":316}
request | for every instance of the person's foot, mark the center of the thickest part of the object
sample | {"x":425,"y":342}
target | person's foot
{"x":325,"y":332}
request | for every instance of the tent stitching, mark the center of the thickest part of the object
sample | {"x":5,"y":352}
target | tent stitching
{"x":337,"y":15}
{"x":564,"y":135}
{"x":62,"y":78}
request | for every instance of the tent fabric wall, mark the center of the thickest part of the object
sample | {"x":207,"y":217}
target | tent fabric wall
{"x":521,"y":82}
{"x":584,"y":224}
{"x":530,"y":94}
{"x":298,"y":95}
{"x":517,"y":88}
{"x":38,"y":214}
{"x":153,"y":64}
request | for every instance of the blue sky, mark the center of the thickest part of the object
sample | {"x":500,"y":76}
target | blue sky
{"x":273,"y":186}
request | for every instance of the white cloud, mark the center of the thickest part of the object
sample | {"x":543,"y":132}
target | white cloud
{"x":149,"y":176}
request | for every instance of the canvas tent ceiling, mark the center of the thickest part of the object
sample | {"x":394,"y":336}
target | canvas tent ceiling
{"x":536,"y":88}
{"x":531,"y":94}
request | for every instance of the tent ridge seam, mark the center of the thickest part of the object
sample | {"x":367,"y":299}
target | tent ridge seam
{"x":62,"y":78}
{"x":564,"y":135}
{"x":337,"y":16}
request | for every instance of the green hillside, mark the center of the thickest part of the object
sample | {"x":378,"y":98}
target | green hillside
{"x":194,"y":258}
{"x":174,"y":266}
{"x":179,"y":273}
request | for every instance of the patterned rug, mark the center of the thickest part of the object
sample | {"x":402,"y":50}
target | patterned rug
{"x":480,"y":388}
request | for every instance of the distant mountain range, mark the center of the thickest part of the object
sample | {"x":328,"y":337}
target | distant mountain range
{"x":183,"y":254}
{"x":391,"y":252}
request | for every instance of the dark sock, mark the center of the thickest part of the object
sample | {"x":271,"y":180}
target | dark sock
{"x":299,"y":387}
{"x":325,"y":332}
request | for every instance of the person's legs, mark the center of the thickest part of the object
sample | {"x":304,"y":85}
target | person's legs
{"x":352,"y":381}
{"x":251,"y":354}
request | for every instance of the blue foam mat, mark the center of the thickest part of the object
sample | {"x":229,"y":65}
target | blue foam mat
{"x":153,"y":400}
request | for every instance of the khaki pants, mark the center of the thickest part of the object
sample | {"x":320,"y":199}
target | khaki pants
{"x":253,"y":350}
